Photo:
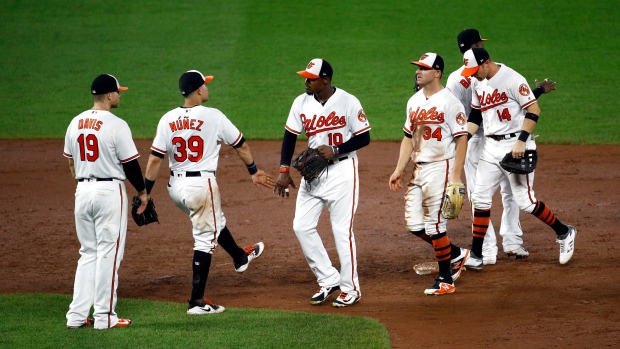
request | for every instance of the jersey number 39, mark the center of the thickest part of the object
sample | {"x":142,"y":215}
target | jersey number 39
{"x":188,"y":150}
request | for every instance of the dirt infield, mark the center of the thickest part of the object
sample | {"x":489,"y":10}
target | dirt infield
{"x":535,"y":303}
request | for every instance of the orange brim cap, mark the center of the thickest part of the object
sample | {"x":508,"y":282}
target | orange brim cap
{"x":307,"y":74}
{"x":208,"y":78}
{"x":123,"y":88}
{"x":467,"y":72}
{"x":422,"y":65}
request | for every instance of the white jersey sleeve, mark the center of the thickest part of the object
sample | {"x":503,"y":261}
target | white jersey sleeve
{"x":521,"y":92}
{"x":294,"y":122}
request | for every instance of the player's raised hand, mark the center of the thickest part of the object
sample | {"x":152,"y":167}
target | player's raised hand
{"x":263,"y":178}
{"x":548,"y":85}
{"x":395,"y":181}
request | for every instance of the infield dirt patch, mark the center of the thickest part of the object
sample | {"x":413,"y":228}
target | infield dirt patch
{"x":533,"y":303}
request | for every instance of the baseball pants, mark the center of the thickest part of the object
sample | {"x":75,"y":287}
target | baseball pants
{"x":101,"y":226}
{"x":199,"y":198}
{"x":510,"y":228}
{"x":338,"y":190}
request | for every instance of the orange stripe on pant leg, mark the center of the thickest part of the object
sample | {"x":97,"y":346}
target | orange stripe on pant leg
{"x":442,"y":248}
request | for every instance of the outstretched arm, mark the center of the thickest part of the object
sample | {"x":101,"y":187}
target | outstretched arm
{"x":259,"y":177}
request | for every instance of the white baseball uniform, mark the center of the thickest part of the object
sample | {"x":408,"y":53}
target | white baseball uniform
{"x":334,"y":123}
{"x":99,"y":143}
{"x":433,"y":124}
{"x":510,"y":229}
{"x":502,"y":101}
{"x":192,"y":138}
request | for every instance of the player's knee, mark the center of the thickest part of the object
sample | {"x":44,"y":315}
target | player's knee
{"x":527,"y":208}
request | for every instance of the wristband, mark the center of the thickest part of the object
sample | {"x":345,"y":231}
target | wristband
{"x":284,"y":170}
{"x":524,"y":135}
{"x":335,"y":149}
{"x":252,"y":168}
{"x":149,"y":185}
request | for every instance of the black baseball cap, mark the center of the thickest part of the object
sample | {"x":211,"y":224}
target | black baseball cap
{"x":473,"y":59}
{"x":106,"y":83}
{"x":430,"y":60}
{"x":317,"y":68}
{"x":467,"y":38}
{"x":191,"y":80}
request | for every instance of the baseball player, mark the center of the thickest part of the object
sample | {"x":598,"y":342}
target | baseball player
{"x":434,"y":129}
{"x":191,"y":135}
{"x":335,"y":124}
{"x":504,"y":103}
{"x":510,"y":228}
{"x":101,"y":156}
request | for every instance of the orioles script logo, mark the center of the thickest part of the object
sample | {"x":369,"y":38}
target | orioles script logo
{"x":310,"y":65}
{"x":494,"y":98}
{"x":330,"y":121}
{"x":425,"y":116}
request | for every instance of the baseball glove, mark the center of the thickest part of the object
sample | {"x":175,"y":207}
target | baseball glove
{"x":310,"y":164}
{"x":525,"y":165}
{"x":453,"y":202}
{"x":148,"y":216}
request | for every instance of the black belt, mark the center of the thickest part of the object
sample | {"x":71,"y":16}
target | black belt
{"x":502,"y":137}
{"x":331,"y":162}
{"x":188,"y":173}
{"x":96,"y":179}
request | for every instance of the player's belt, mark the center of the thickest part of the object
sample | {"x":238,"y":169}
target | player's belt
{"x":95,"y":179}
{"x":335,"y":161}
{"x":190,"y":173}
{"x":502,"y":137}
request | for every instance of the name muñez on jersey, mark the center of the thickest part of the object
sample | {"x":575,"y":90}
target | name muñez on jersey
{"x":186,"y":124}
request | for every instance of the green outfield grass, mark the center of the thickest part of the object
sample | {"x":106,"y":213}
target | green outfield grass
{"x":51,"y":51}
{"x":38,"y":321}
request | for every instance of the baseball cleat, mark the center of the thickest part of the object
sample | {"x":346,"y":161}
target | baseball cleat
{"x":202,"y":307}
{"x":440,"y":287}
{"x":456,"y":264}
{"x":567,"y":244}
{"x":345,"y":300}
{"x":252,"y":252}
{"x":322,"y":294}
{"x":519,"y":253}
{"x":88,"y":322}
{"x":473,"y":262}
{"x":122,"y":323}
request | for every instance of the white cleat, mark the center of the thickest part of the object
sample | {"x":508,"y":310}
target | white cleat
{"x":567,"y":245}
